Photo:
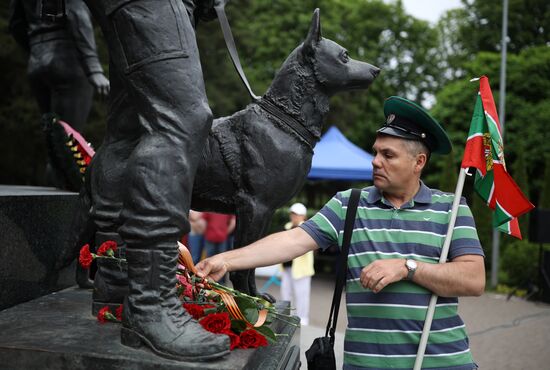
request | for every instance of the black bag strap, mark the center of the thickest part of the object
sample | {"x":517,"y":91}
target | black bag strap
{"x":342,"y":266}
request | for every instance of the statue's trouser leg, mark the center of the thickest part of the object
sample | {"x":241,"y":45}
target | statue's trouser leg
{"x":107,"y":186}
{"x":108,"y":182}
{"x":71,"y":93}
{"x":59,"y":82}
{"x":154,"y":45}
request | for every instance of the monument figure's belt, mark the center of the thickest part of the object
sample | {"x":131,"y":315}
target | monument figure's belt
{"x":290,"y":121}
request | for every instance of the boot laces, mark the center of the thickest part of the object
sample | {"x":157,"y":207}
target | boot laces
{"x":168,"y":292}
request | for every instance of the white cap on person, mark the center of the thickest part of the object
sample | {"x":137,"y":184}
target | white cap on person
{"x":299,"y":209}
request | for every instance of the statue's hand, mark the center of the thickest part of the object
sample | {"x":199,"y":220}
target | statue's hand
{"x":100,"y":83}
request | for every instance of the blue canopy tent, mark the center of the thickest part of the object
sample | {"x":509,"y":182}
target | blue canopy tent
{"x":337,"y":158}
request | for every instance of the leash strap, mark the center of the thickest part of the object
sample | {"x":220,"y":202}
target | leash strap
{"x":230,"y":42}
{"x":342,"y":267}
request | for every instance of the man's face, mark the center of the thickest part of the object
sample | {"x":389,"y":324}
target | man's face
{"x":394,"y":168}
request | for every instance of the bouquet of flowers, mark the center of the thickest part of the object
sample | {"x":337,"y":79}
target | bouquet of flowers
{"x":218,"y":308}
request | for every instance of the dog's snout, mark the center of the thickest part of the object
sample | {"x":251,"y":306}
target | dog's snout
{"x":375,"y":71}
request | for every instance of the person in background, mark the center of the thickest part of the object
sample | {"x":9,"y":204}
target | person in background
{"x":218,"y":228}
{"x":296,"y":276}
{"x":195,"y":238}
{"x":393,"y":257}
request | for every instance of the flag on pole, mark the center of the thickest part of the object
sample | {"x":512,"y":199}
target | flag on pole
{"x":485,"y":151}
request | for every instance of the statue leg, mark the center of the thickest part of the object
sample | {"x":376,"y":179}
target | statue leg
{"x":71,"y":93}
{"x":253,"y":220}
{"x":164,"y":80}
{"x":111,"y":278}
{"x":108,"y":184}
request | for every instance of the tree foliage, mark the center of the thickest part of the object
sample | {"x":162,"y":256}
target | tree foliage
{"x":527,"y":108}
{"x":528,"y":24}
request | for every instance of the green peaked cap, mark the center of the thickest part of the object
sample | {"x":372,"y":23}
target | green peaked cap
{"x":408,"y":120}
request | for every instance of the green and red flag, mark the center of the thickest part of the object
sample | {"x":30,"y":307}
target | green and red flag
{"x":485,"y":151}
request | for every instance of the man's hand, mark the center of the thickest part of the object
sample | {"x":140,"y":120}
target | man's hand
{"x":100,"y":83}
{"x":383,"y":272}
{"x":213,"y":267}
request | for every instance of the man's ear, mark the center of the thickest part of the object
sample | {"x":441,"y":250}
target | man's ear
{"x":421,"y":160}
{"x":314,"y":35}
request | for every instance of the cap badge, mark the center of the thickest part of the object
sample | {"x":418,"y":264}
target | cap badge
{"x":390,"y":118}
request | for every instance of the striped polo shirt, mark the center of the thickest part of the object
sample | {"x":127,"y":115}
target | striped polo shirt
{"x":384,"y":328}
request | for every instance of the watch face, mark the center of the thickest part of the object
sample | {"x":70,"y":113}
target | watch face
{"x":411,"y":265}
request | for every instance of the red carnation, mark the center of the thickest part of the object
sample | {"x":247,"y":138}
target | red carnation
{"x":105,"y":247}
{"x":118,"y":312}
{"x":85,"y":258}
{"x":103,"y":315}
{"x":195,"y":310}
{"x":216,"y":322}
{"x":187,"y":290}
{"x":252,"y":339}
{"x":235,"y":339}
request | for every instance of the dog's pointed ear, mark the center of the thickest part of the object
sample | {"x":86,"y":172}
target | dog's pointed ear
{"x":314,"y":35}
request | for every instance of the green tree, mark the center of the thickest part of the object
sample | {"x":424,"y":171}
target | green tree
{"x":544,"y":201}
{"x":484,"y":222}
{"x":520,"y":263}
{"x":519,"y":174}
{"x":528,"y":106}
{"x":448,"y":174}
{"x":528,"y":24}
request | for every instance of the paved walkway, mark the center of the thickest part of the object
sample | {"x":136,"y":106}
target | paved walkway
{"x":504,"y":334}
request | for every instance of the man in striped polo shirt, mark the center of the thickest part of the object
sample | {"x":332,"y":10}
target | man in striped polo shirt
{"x":393,"y":258}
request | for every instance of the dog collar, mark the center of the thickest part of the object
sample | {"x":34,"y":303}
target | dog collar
{"x":296,"y":126}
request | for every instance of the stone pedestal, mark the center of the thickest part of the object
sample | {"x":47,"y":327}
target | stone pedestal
{"x":57,"y":331}
{"x":34,"y":225}
{"x":54,"y":329}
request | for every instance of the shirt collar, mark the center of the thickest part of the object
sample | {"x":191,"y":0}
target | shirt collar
{"x":424,"y":195}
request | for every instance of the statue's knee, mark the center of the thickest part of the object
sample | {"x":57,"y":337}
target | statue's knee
{"x":199,"y":121}
{"x":204,"y":116}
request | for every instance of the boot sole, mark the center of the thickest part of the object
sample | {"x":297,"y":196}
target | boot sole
{"x":134,"y":339}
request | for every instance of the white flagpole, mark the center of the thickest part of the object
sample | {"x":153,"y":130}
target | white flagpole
{"x":442,"y":259}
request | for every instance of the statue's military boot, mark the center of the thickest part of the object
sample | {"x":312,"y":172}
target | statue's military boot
{"x":82,"y":277}
{"x":153,"y":314}
{"x":111,"y":278}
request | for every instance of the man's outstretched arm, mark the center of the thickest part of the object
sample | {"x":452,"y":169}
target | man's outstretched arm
{"x":273,"y":249}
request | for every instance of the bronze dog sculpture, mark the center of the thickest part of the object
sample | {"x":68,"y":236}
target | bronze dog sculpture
{"x":257,"y":159}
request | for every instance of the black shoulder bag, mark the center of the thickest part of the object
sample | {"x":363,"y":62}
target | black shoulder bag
{"x":320,"y":356}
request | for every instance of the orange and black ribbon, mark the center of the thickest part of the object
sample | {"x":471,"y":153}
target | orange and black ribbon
{"x":186,"y":260}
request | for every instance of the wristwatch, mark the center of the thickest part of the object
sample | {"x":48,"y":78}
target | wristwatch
{"x":411,"y":267}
